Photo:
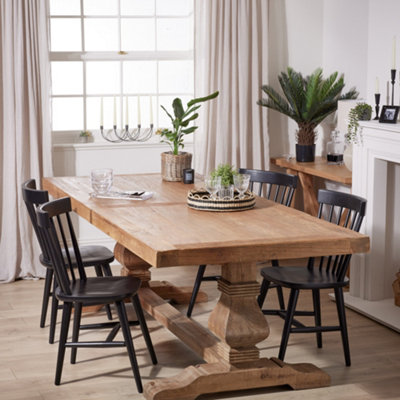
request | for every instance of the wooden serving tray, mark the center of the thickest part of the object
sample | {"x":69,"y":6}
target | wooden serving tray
{"x":199,"y":199}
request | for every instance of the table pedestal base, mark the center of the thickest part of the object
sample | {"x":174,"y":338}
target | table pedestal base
{"x":135,"y":266}
{"x":220,"y":377}
{"x":229,"y":345}
{"x":218,"y":374}
{"x":177,"y":294}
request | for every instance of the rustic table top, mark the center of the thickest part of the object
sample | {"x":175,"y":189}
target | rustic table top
{"x":164,"y":231}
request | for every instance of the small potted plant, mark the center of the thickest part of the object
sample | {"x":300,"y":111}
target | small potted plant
{"x":174,"y":162}
{"x":227,"y":173}
{"x":85,"y":136}
{"x":308,"y":101}
{"x":361,"y":112}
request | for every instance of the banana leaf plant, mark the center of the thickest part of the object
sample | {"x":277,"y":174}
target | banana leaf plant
{"x":307,"y":100}
{"x":180,"y":121}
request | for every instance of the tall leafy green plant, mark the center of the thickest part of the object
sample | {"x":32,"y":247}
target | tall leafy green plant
{"x":180,"y":121}
{"x":307,"y":100}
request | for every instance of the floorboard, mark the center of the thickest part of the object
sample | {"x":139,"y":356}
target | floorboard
{"x":27,"y":361}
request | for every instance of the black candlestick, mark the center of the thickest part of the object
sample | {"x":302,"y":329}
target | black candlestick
{"x":377,"y":100}
{"x":393,"y":77}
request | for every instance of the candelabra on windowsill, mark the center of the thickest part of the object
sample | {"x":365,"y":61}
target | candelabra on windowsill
{"x":138,"y":134}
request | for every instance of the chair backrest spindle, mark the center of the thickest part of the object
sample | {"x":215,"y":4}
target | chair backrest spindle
{"x":277,"y":186}
{"x":342,"y":209}
{"x":48,"y":215}
{"x":33,"y":198}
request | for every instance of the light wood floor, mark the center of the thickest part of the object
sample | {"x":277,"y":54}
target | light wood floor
{"x":27,"y":361}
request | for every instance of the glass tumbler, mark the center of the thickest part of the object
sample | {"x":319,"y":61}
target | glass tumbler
{"x":213,"y":185}
{"x":102,"y":180}
{"x":241,"y":182}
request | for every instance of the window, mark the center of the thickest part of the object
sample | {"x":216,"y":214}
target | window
{"x":127,"y":52}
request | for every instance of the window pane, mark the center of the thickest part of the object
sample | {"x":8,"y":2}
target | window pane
{"x":65,"y":34}
{"x":175,"y":76}
{"x":101,"y":34}
{"x":93,"y":112}
{"x":65,"y":7}
{"x":140,"y":77}
{"x":137,"y":34}
{"x":100,"y":7}
{"x":174,"y":34}
{"x":66,"y":77}
{"x":67,"y":113}
{"x":146,"y":113}
{"x":102,"y":77}
{"x":174,"y":7}
{"x":137,"y":7}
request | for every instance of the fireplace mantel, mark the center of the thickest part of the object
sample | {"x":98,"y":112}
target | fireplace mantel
{"x":376,"y":176}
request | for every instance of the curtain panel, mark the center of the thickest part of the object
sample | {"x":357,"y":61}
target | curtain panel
{"x":25,"y":150}
{"x":231,"y":55}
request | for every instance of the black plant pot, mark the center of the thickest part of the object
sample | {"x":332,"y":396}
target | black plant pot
{"x":305,"y":152}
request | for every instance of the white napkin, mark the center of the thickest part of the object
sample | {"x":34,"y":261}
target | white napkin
{"x":127,"y":195}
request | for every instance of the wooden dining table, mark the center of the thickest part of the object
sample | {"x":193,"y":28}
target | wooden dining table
{"x":163,"y":232}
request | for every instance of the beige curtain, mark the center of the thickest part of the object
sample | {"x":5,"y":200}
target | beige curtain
{"x":231,"y":55}
{"x":25,"y":149}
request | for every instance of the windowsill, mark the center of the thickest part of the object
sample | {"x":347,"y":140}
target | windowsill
{"x":68,"y":140}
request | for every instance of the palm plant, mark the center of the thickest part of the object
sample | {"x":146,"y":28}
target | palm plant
{"x":307,"y":100}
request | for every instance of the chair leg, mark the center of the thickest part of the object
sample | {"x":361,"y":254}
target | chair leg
{"x":280,"y":297}
{"x":129,"y":344}
{"x":263,"y":292}
{"x":343,"y":324}
{"x":317,"y":315}
{"x":99,"y":272}
{"x":107,"y":270}
{"x":46,"y":295}
{"x":75,"y":329}
{"x":143,"y":327}
{"x":196,"y":288}
{"x":275,"y":263}
{"x":53,"y":316}
{"x":294,"y":295}
{"x":66,"y":317}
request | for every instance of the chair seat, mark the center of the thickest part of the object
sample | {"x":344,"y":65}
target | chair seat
{"x":91,"y":255}
{"x":101,"y":290}
{"x":302,"y":278}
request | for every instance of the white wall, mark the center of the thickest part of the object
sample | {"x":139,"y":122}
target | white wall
{"x":295,"y":40}
{"x":384,"y":23}
{"x":332,"y":34}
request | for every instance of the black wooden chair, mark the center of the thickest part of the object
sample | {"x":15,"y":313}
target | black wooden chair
{"x":98,"y":257}
{"x":342,"y":209}
{"x":275,"y":186}
{"x":75,"y":291}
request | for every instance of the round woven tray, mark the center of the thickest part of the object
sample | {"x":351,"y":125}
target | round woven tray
{"x":199,"y":199}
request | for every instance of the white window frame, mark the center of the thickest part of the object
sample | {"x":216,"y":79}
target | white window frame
{"x":84,"y":56}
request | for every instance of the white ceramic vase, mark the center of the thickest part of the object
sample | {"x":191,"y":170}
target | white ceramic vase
{"x":348,"y":156}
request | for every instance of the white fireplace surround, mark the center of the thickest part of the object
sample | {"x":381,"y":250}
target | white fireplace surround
{"x":376,"y":176}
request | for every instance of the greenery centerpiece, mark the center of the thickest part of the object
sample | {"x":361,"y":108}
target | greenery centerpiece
{"x":308,"y":101}
{"x":226,"y":172}
{"x":174,"y":161}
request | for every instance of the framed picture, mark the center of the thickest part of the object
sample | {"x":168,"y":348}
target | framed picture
{"x":389,"y":114}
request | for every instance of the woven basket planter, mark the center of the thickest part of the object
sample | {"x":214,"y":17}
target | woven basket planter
{"x":172,"y":166}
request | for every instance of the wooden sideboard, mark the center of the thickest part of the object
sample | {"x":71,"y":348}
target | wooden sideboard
{"x":306,"y":171}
